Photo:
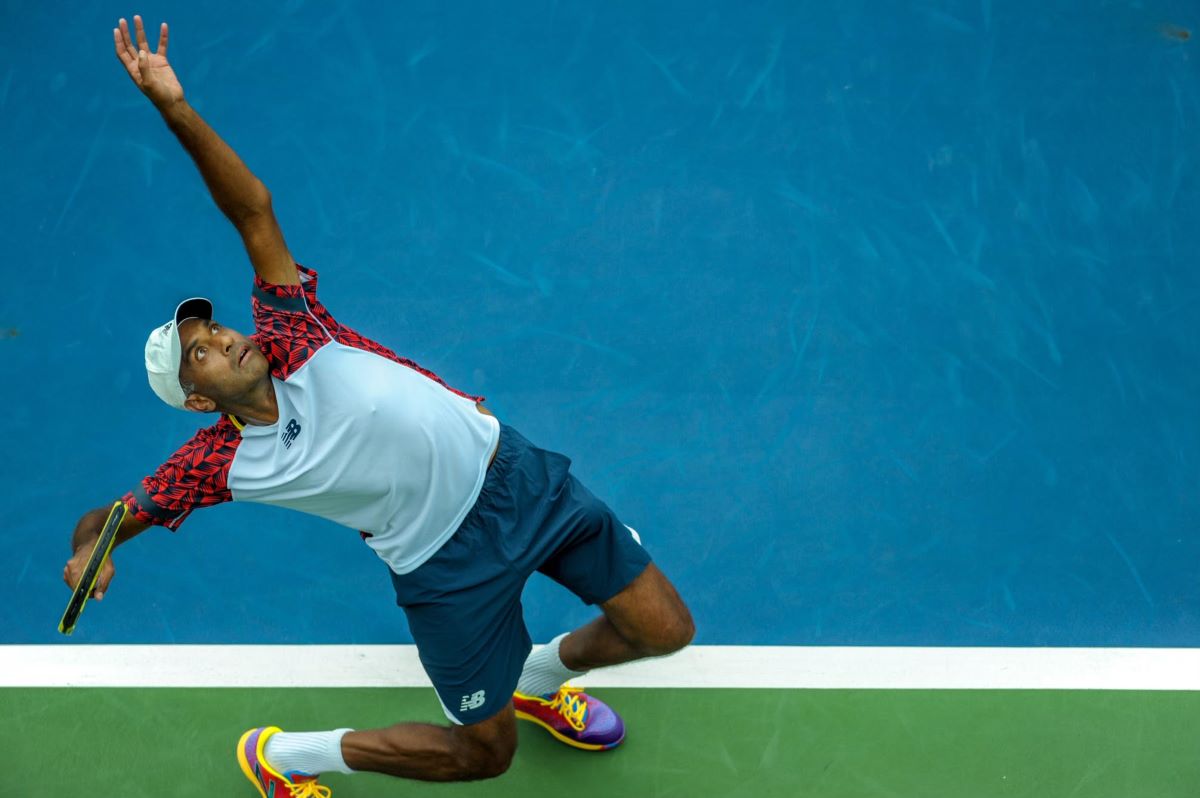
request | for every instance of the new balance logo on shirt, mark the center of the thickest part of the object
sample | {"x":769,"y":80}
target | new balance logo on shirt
{"x":290,"y":433}
{"x":472,"y":701}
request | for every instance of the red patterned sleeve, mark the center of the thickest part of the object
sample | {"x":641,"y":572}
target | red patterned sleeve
{"x":287,"y":328}
{"x":291,"y":325}
{"x":195,"y":476}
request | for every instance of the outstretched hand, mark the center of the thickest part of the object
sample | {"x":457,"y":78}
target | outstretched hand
{"x":149,"y":71}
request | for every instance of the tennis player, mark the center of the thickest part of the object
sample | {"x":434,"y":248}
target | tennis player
{"x":316,"y":417}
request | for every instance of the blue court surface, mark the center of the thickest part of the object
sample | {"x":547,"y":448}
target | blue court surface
{"x":878,"y":321}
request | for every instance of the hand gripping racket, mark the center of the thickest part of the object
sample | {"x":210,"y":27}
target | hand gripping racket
{"x":104,"y":544}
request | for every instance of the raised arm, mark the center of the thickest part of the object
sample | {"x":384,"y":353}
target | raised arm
{"x":241,"y":196}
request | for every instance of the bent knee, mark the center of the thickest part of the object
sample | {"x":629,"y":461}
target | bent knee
{"x":679,"y":633}
{"x":669,"y":635}
{"x":486,"y":766}
{"x":480,"y":759}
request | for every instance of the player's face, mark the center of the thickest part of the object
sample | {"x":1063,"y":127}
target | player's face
{"x":220,"y":362}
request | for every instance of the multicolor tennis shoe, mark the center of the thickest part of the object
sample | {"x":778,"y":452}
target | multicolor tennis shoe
{"x":271,"y":783}
{"x":573,"y":717}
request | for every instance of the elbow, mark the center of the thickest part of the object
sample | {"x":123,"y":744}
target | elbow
{"x":261,"y":199}
{"x":256,"y":203}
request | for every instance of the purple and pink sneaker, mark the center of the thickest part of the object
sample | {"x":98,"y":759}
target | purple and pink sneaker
{"x":573,"y":717}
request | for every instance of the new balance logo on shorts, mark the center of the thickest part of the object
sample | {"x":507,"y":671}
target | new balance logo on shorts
{"x":290,"y":433}
{"x":472,"y":701}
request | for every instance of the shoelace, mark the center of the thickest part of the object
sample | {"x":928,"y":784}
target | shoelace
{"x":570,"y":706}
{"x":310,"y":789}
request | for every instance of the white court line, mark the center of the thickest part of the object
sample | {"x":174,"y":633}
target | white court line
{"x":792,"y":667}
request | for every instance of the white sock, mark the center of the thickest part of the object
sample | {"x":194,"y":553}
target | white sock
{"x":307,"y":752}
{"x":544,"y":672}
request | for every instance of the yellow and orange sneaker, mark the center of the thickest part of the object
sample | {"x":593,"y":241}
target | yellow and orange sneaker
{"x":573,"y":717}
{"x":269,"y":782}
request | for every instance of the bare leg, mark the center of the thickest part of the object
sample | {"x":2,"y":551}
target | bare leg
{"x":646,"y":619}
{"x":435,"y":753}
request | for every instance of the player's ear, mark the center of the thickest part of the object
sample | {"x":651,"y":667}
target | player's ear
{"x":199,"y":404}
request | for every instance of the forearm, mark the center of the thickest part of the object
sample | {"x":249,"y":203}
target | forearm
{"x":237,"y":192}
{"x":92,"y":523}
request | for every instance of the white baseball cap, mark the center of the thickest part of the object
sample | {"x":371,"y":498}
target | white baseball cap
{"x":164,"y":351}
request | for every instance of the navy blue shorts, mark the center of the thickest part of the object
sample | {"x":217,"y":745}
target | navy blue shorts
{"x":464,"y":603}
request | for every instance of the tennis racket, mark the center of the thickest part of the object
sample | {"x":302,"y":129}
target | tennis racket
{"x":83,"y":590}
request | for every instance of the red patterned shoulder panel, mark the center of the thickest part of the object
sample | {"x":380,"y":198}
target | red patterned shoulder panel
{"x":286,"y":329}
{"x":349,"y":337}
{"x":195,"y":476}
{"x":292,"y":325}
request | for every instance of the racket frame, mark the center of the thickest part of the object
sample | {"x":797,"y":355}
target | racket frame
{"x":87,"y":581}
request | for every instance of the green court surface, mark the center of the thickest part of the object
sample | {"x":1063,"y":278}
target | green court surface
{"x":682,"y":742}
